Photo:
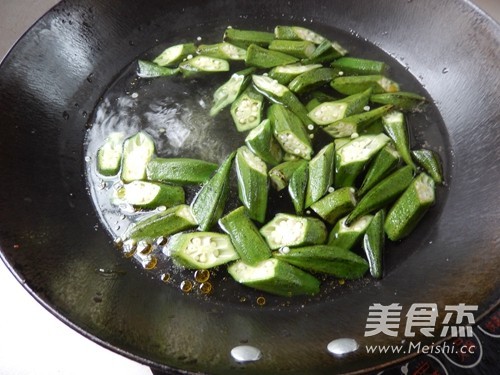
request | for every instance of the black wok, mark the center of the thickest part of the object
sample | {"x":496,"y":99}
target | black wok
{"x":52,"y":240}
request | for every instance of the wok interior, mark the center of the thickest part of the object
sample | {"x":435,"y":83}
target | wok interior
{"x":52,"y":238}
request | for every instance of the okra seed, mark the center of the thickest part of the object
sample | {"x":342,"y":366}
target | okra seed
{"x":366,"y":108}
{"x":341,"y":73}
{"x":311,"y":136}
{"x":285,"y":250}
{"x":331,"y":189}
{"x":310,"y":127}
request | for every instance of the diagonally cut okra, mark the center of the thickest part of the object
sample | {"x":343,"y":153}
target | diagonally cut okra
{"x":265,"y":58}
{"x":245,"y":237}
{"x":263,"y":144}
{"x":311,"y":80}
{"x":373,"y":244}
{"x":137,"y":151}
{"x":349,"y":85}
{"x":229,"y":91}
{"x":253,"y":184}
{"x":281,"y":174}
{"x":395,"y":127}
{"x":209,"y":203}
{"x":182,"y":171}
{"x":175,"y":54}
{"x":321,"y":174}
{"x":346,"y":237}
{"x":297,"y":48}
{"x":224,"y":50}
{"x":357,"y":66}
{"x":335,"y":204}
{"x":286,"y":73}
{"x":244,"y":38}
{"x":429,"y":161}
{"x":200,"y":65}
{"x":402,"y":100}
{"x":147,"y":69}
{"x":297,"y":187}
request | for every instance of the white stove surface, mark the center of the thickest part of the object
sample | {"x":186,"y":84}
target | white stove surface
{"x":33,"y":341}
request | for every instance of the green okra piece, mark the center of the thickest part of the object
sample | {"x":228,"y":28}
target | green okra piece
{"x":355,"y":124}
{"x":321,"y":174}
{"x":146,"y":194}
{"x":288,"y":157}
{"x":325,"y":52}
{"x":297,"y":187}
{"x":229,"y":91}
{"x":245,"y":237}
{"x":147,"y":69}
{"x":175,"y":54}
{"x":402,"y":100}
{"x":280,"y":175}
{"x":331,"y":111}
{"x":246,"y":110}
{"x":357,"y":66}
{"x":353,"y":84}
{"x":373,"y":244}
{"x":382,"y":194}
{"x":276,"y":277}
{"x":297,"y":48}
{"x":181,"y":171}
{"x":265,"y":58}
{"x":410,"y":208}
{"x":253,"y":183}
{"x":162,"y":224}
{"x":341,"y":142}
{"x":209,"y":203}
{"x":244,"y":38}
{"x":284,"y":74}
{"x":346,"y":237}
{"x":137,"y":152}
{"x":290,"y":230}
{"x":351,"y":159}
{"x":302,"y":33}
{"x":200,"y":250}
{"x":279,"y":93}
{"x":382,"y":165}
{"x":335,"y":204}
{"x":375,"y":128}
{"x":109,"y":155}
{"x":200,"y":65}
{"x":318,"y":97}
{"x":395,"y":127}
{"x":262,"y":143}
{"x":326,"y":259}
{"x":311,"y":80}
{"x":224,"y":50}
{"x":429,"y":161}
{"x":289,"y":131}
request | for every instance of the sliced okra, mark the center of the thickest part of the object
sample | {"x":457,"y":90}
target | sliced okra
{"x":351,"y":158}
{"x":265,"y":58}
{"x":357,"y":123}
{"x":357,"y":66}
{"x":182,"y":171}
{"x":109,"y":155}
{"x":429,"y":161}
{"x":245,"y":237}
{"x":175,"y":54}
{"x":331,"y":111}
{"x":290,"y":157}
{"x":200,"y":250}
{"x":335,"y":204}
{"x":284,"y":74}
{"x":302,"y":33}
{"x":279,"y":93}
{"x":162,"y":224}
{"x":316,"y":98}
{"x":280,"y":175}
{"x":353,"y":84}
{"x":209,"y":203}
{"x":199,"y":65}
{"x":382,"y":194}
{"x":326,"y":259}
{"x":382,"y":165}
{"x":395,"y":127}
{"x":410,"y":208}
{"x":321,"y":174}
{"x":311,"y":80}
{"x":262,"y":143}
{"x":253,"y":183}
{"x":325,"y":52}
{"x":297,"y":48}
{"x":290,"y":230}
{"x":276,"y":277}
{"x":229,"y":91}
{"x":375,"y":128}
{"x":244,"y":38}
{"x":297,"y":187}
{"x":147,"y":69}
{"x":146,"y":194}
{"x":346,"y":237}
{"x":341,"y":142}
{"x":224,"y":50}
{"x":289,"y":131}
{"x":246,"y":110}
{"x":137,"y":151}
{"x":402,"y":100}
{"x":373,"y":244}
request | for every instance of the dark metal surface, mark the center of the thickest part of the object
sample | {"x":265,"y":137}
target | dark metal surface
{"x":51,"y":238}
